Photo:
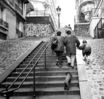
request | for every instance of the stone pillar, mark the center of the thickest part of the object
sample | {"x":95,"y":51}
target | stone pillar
{"x":11,"y":19}
{"x":24,"y":10}
{"x":0,"y":13}
{"x":4,"y":15}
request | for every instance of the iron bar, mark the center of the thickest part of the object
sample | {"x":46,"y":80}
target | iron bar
{"x":45,"y":58}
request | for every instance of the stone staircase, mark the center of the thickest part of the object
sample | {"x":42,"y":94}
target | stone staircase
{"x":49,"y":81}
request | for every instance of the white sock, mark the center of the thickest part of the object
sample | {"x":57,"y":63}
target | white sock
{"x":68,"y":59}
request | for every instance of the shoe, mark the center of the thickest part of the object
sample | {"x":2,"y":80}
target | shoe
{"x":72,"y":67}
{"x":69,"y":64}
{"x":84,"y":59}
{"x":66,"y":87}
{"x":57,"y":63}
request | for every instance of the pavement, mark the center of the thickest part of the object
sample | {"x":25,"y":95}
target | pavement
{"x":91,"y":76}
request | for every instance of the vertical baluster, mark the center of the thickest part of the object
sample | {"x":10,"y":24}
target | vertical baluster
{"x":45,"y":57}
{"x":7,"y":96}
{"x":34,"y":81}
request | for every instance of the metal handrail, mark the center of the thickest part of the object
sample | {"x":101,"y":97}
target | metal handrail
{"x":7,"y":90}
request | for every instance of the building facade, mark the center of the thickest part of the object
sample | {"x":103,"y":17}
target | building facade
{"x":83,"y":17}
{"x":43,"y":8}
{"x":12,"y":18}
{"x":97,"y":20}
{"x":91,"y":12}
{"x":43,"y":12}
{"x":83,"y":10}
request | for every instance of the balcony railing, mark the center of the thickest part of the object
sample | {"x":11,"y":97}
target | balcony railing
{"x":38,"y":13}
{"x":18,"y":9}
{"x":4,"y":24}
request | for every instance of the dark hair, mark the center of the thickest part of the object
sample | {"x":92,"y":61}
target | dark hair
{"x":84,"y":41}
{"x":68,"y":32}
{"x":68,"y":73}
{"x":58,"y":33}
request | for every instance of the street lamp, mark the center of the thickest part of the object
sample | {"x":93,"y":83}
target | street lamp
{"x":58,"y":9}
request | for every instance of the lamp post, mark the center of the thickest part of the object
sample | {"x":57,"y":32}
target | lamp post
{"x":58,"y":9}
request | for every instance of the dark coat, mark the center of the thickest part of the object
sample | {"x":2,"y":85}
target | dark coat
{"x":71,"y":42}
{"x":60,"y":46}
{"x":86,"y":49}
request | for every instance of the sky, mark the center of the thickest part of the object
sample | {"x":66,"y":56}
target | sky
{"x":67,"y":12}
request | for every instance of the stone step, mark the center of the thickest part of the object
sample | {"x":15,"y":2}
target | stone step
{"x":44,"y":78}
{"x":51,"y":67}
{"x":66,"y":96}
{"x":43,"y":74}
{"x":47,"y":72}
{"x":48,"y":64}
{"x":49,"y":91}
{"x":48,"y":69}
{"x":42,"y":84}
{"x":41,"y":61}
{"x":64,"y":68}
{"x":56,"y":89}
{"x":42,"y":58}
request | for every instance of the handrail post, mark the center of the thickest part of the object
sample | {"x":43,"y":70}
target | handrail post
{"x":34,"y":81}
{"x":45,"y":58}
{"x":7,"y":96}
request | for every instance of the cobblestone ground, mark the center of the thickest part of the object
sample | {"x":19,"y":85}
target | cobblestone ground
{"x":95,"y":70}
{"x":11,"y":50}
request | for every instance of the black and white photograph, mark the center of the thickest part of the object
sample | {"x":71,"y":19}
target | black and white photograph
{"x":51,"y":49}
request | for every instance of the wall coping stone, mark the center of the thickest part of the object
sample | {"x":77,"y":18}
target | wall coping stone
{"x":19,"y":60}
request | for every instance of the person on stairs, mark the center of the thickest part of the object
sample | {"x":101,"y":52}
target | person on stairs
{"x":67,"y":81}
{"x":59,"y":48}
{"x":71,"y":42}
{"x":86,"y":50}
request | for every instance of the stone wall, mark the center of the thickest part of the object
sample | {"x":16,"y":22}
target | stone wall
{"x":41,"y":30}
{"x":82,"y":29}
